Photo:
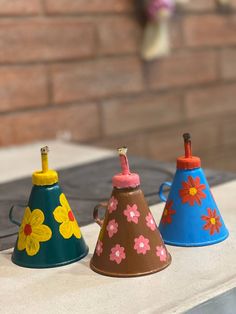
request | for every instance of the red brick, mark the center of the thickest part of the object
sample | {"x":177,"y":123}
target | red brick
{"x":228,"y":63}
{"x":219,"y":158}
{"x":45,"y":39}
{"x":233,"y":3}
{"x":78,"y":122}
{"x":91,"y":6}
{"x":118,"y":35}
{"x":135,"y":142}
{"x":141,"y":113}
{"x":167,"y":143}
{"x":122,"y":34}
{"x":176,"y":33}
{"x":200,"y":5}
{"x":20,"y":7}
{"x":210,"y":101}
{"x":182,"y":69}
{"x":22,"y":87}
{"x":229,"y":130}
{"x":210,"y":30}
{"x":96,"y":79}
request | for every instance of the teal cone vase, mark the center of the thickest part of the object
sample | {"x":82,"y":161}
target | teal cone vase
{"x":49,"y":235}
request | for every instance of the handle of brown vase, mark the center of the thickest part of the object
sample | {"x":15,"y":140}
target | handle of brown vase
{"x":95,"y":213}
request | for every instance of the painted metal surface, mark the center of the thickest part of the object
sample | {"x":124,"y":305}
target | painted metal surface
{"x":129,"y":242}
{"x":57,"y":250}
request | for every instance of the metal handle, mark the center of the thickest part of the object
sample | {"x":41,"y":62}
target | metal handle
{"x":95,"y":213}
{"x":161,"y":195}
{"x":11,"y":218}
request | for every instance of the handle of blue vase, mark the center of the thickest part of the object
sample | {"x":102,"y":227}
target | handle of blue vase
{"x":161,"y":190}
{"x":11,"y":218}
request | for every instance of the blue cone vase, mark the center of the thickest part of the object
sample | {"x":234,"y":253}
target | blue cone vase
{"x":191,"y":216}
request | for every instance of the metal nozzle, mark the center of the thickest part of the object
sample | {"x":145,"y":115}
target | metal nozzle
{"x":122,"y":150}
{"x":44,"y":150}
{"x":187,"y":137}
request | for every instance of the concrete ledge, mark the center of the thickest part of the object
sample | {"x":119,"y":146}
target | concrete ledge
{"x":195,"y":275}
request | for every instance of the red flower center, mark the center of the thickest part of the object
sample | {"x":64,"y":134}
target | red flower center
{"x":193,"y":191}
{"x":27,"y":230}
{"x":71,"y":216}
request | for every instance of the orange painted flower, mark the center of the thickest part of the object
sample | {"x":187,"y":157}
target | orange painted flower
{"x":192,"y":191}
{"x":168,"y":211}
{"x":213,"y":223}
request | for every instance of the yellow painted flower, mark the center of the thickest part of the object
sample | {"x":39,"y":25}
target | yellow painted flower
{"x":64,"y":215}
{"x":32,"y":232}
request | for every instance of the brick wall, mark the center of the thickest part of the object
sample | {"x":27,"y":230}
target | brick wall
{"x":71,"y":69}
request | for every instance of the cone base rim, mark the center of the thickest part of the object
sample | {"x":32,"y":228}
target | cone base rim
{"x":196,"y":244}
{"x":105,"y":273}
{"x":52,"y":265}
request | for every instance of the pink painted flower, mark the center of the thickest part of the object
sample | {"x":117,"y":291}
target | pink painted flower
{"x":117,"y":254}
{"x":161,"y":252}
{"x":132,"y":213}
{"x":112,"y":204}
{"x":112,"y":228}
{"x":141,"y":245}
{"x":99,"y":247}
{"x":150,"y":222}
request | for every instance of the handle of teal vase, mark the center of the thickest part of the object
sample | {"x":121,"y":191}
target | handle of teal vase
{"x":11,"y":218}
{"x":161,"y":189}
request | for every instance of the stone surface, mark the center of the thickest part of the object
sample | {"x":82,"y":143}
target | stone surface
{"x":192,"y":277}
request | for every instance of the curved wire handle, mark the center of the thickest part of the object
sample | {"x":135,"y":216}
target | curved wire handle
{"x":95,"y":213}
{"x":11,"y":218}
{"x":161,"y":195}
{"x":14,"y":222}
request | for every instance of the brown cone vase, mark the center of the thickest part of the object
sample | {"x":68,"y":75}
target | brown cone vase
{"x":129,"y":242}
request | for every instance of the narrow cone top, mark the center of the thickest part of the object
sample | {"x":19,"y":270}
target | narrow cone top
{"x":188,"y":161}
{"x":45,"y":176}
{"x":125,"y":179}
